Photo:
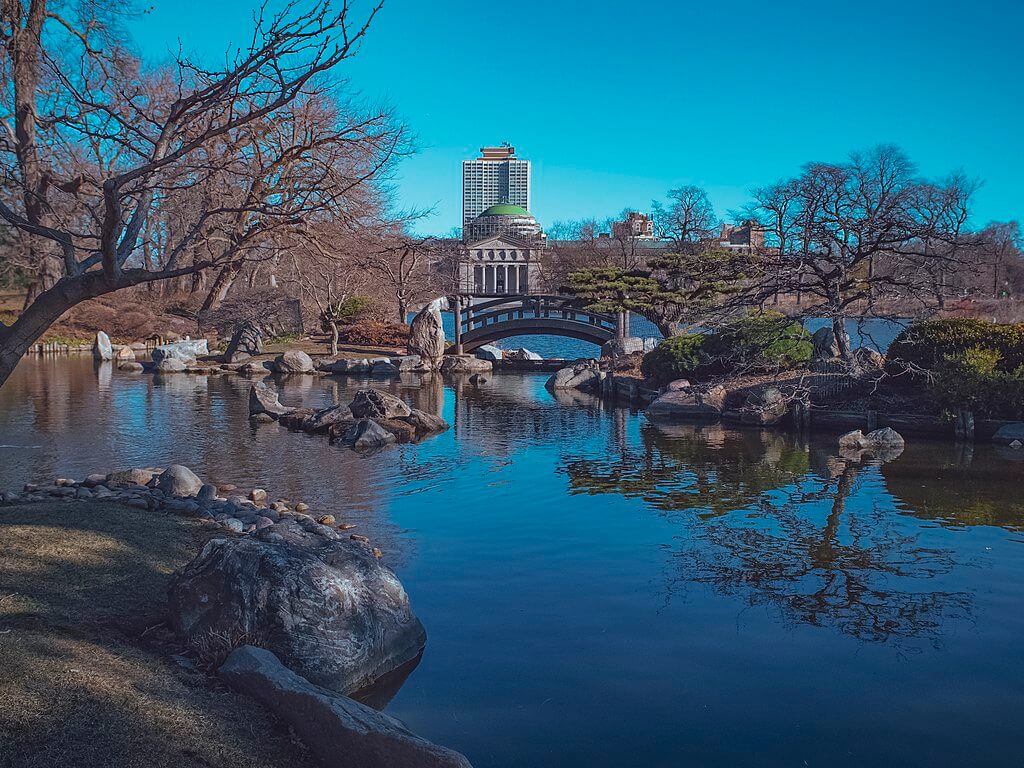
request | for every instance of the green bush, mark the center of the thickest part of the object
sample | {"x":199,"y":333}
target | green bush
{"x":975,"y":379}
{"x":674,"y":358}
{"x":768,"y":340}
{"x":932,"y":344}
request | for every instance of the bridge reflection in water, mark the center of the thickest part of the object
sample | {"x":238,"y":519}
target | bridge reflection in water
{"x":480,"y":321}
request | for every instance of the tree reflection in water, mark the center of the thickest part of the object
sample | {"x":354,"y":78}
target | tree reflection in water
{"x":813,"y":535}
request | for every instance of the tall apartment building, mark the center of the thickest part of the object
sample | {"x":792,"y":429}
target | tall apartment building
{"x":495,"y":177}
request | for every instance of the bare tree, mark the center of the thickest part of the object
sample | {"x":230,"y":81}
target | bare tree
{"x":867,"y":236}
{"x":405,"y":265}
{"x":687,"y":219}
{"x":95,"y":146}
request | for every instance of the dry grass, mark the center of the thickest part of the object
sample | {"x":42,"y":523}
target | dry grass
{"x":87,"y":678}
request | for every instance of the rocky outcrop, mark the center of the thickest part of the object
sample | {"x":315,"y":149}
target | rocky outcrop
{"x":374,"y":404}
{"x":184,"y":351}
{"x":178,"y":480}
{"x":764,"y":407}
{"x":426,"y":333}
{"x":456,"y":365}
{"x":580,"y":374}
{"x":294,"y":361}
{"x":340,"y":732}
{"x":326,"y":607}
{"x":697,"y":403}
{"x":102,"y":349}
{"x":246,"y":341}
{"x":263,"y":399}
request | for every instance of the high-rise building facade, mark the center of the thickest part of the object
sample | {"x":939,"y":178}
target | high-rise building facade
{"x":494,"y":178}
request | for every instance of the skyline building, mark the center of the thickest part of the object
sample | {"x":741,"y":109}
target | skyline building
{"x":496,"y":177}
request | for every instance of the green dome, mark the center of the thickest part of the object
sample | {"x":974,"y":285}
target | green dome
{"x":504,"y":209}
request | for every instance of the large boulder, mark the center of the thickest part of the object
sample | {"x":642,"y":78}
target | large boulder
{"x":885,"y":442}
{"x":126,"y":478}
{"x":323,"y":420}
{"x":294,"y":361}
{"x":580,"y":374}
{"x":185,"y":351}
{"x":367,"y":435}
{"x":346,"y":366}
{"x":246,"y":341}
{"x":340,"y":732}
{"x":178,"y":480}
{"x":426,"y":332}
{"x":170,"y":365}
{"x":326,"y":607}
{"x":489,"y":352}
{"x":464,"y":364}
{"x":102,"y":349}
{"x":374,"y":404}
{"x":426,"y":423}
{"x":125,"y":354}
{"x":263,"y":399}
{"x":697,"y":403}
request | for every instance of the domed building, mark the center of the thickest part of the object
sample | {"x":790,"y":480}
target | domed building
{"x":503,"y":219}
{"x":501,"y":255}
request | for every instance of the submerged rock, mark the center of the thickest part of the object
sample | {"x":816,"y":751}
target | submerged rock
{"x":327,"y":608}
{"x":884,"y":441}
{"x":338,"y":730}
{"x":464,"y":364}
{"x":170,"y":365}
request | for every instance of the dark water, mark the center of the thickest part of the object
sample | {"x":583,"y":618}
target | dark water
{"x":601,"y":592}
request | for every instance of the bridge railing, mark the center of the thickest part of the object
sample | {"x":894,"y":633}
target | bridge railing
{"x":480,"y":315}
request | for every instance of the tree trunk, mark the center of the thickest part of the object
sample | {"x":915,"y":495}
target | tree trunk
{"x":842,"y":338}
{"x":403,"y":312}
{"x":334,"y":338}
{"x":221,"y":285}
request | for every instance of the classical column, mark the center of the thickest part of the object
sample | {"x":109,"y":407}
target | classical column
{"x":524,"y":279}
{"x":513,"y":283}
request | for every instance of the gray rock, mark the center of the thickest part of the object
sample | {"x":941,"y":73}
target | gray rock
{"x":263,"y":399}
{"x":253,"y":368}
{"x":328,"y":609}
{"x":91,"y":481}
{"x":263,"y":522}
{"x":580,"y":374}
{"x":233,"y":524}
{"x":464,"y":364}
{"x":1008,"y":433}
{"x":630,"y":345}
{"x":374,"y":404}
{"x":131,"y":367}
{"x":367,"y":435}
{"x":184,"y":351}
{"x":170,"y":365}
{"x":339,"y":731}
{"x":407,"y":363}
{"x":207,"y":493}
{"x":246,"y":341}
{"x":693,"y":404}
{"x":478,"y":380}
{"x":101,"y":347}
{"x":347,"y":367}
{"x":125,"y":354}
{"x":129,"y":477}
{"x":294,"y":361}
{"x":677,"y":385}
{"x":426,"y":423}
{"x":881,"y":441}
{"x":426,"y":333}
{"x":323,"y":420}
{"x":178,"y":480}
{"x":489,"y":352}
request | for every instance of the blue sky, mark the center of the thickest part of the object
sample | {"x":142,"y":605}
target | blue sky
{"x":617,"y":102}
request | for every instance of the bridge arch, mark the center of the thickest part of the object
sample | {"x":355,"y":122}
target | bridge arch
{"x":484,"y":322}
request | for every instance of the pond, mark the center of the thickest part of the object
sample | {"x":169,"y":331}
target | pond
{"x":598,"y":591}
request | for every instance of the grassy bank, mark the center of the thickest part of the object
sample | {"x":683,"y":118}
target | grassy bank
{"x":89,"y":675}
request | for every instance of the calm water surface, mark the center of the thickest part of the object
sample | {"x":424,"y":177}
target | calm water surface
{"x":601,"y":592}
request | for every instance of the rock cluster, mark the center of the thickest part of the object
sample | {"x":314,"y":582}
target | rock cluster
{"x":885,"y":443}
{"x":372,"y":420}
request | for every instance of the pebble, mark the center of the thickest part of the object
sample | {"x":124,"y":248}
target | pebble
{"x":358,"y":537}
{"x":233,"y":524}
{"x":258,"y":496}
{"x":301,"y":507}
{"x":327,"y":520}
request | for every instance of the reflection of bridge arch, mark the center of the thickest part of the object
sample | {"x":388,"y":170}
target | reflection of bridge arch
{"x":487,"y":321}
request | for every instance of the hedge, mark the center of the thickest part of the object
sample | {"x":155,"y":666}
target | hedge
{"x":930,"y":344}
